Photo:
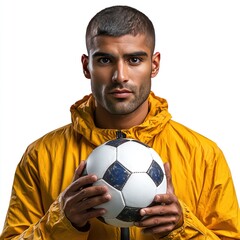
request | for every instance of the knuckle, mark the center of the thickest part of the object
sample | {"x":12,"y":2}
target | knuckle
{"x":83,"y":193}
{"x":168,"y":228}
{"x":149,"y":211}
{"x":86,"y":204}
{"x":66,"y":202}
{"x":100,"y":189}
{"x":156,"y":221}
{"x":174,"y":220}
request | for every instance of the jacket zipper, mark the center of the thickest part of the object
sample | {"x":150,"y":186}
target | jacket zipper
{"x":125,"y":234}
{"x":120,"y":134}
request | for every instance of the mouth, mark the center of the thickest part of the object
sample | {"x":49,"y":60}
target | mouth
{"x":121,"y":93}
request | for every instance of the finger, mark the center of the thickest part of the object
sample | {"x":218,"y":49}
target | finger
{"x":93,"y":202}
{"x":165,"y":199}
{"x":80,"y":212}
{"x":92,"y":213}
{"x":156,"y":221}
{"x":80,"y":220}
{"x":80,"y":183}
{"x":79,"y":170}
{"x":170,"y":188}
{"x":83,"y":199}
{"x":89,"y":192}
{"x":156,"y":210}
{"x":160,"y":230}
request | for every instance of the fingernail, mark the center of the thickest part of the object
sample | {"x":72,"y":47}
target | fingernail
{"x":103,"y":211}
{"x":107,"y":196}
{"x":157,"y":198}
{"x":142,"y":212}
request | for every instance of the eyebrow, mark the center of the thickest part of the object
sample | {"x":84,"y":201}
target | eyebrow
{"x":133,"y":54}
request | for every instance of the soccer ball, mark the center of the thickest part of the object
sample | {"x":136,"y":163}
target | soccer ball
{"x":133,"y":173}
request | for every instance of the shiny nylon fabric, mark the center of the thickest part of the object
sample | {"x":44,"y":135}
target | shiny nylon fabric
{"x":200,"y":176}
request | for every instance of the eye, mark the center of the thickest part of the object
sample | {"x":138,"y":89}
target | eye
{"x":104,"y":60}
{"x":135,"y":60}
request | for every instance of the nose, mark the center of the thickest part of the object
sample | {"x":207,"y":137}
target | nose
{"x":120,"y":72}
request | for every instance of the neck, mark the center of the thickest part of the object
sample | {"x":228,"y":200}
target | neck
{"x":104,"y":119}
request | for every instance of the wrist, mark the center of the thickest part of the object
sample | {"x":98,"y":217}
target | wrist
{"x":85,"y":228}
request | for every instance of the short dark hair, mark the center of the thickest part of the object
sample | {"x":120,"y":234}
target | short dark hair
{"x":117,"y":21}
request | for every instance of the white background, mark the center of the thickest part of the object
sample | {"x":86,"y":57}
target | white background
{"x":41,"y":43}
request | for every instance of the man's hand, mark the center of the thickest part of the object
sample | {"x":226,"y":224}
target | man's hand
{"x":80,"y":198}
{"x":166,"y":213}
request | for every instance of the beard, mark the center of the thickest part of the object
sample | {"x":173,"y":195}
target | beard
{"x":122,"y":106}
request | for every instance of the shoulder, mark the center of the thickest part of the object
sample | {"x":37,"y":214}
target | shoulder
{"x":53,"y":141}
{"x":186,"y":133}
{"x":192,"y":141}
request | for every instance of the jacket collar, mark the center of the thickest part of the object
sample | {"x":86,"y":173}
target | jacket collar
{"x":83,"y":121}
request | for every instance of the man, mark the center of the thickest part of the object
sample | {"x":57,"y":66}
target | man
{"x":52,"y":200}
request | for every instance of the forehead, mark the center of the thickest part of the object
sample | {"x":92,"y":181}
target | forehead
{"x":120,"y":45}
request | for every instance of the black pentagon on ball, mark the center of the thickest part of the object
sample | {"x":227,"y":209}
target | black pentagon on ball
{"x":130,"y":214}
{"x":117,"y":175}
{"x":156,"y":173}
{"x":117,"y":142}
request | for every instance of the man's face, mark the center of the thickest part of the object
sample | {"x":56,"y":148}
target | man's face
{"x":120,"y":69}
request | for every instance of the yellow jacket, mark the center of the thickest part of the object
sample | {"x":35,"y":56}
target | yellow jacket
{"x":201,"y":177}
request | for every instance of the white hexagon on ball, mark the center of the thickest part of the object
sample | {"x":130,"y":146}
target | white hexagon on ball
{"x":139,"y":190}
{"x":100,"y":159}
{"x":134,"y":156}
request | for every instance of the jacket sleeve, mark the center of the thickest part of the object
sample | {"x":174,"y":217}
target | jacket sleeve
{"x":218,"y":213}
{"x":26,"y":218}
{"x":193,"y":228}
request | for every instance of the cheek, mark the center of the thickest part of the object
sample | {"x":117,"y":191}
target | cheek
{"x":101,"y":78}
{"x":142,"y":75}
{"x":142,"y":71}
{"x":100,"y":75}
{"x":98,"y":84}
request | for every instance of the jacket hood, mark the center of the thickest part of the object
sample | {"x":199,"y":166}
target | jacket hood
{"x":83,"y":121}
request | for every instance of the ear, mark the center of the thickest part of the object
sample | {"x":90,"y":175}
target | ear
{"x":85,"y":62}
{"x":155,"y":64}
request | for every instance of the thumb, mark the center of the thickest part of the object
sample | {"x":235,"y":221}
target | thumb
{"x":170,"y":188}
{"x":79,"y":171}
